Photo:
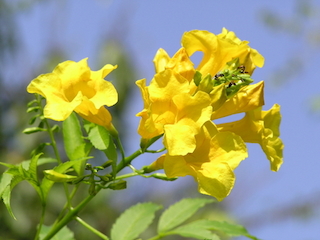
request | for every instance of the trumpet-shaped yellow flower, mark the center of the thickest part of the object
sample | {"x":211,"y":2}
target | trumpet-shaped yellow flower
{"x":72,"y":86}
{"x":211,"y":164}
{"x":173,"y":111}
{"x":260,"y":127}
{"x":219,"y":50}
{"x":158,"y":106}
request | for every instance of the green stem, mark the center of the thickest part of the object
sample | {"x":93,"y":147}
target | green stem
{"x":92,"y":229}
{"x":126,"y":161}
{"x":43,"y":211}
{"x":127,"y":175}
{"x":69,"y":216}
{"x":66,"y":206}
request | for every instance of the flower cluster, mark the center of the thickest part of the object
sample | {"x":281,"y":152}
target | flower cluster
{"x":181,"y":103}
{"x":182,"y":100}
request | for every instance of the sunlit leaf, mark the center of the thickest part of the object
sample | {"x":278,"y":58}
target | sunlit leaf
{"x":195,"y":230}
{"x":99,"y":137}
{"x":180,"y":212}
{"x":230,"y":229}
{"x":74,"y":143}
{"x":134,"y":221}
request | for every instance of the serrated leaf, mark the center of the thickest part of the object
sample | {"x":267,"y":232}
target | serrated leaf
{"x":5,"y":181}
{"x":230,"y":229}
{"x":6,"y":195}
{"x":196,"y":231}
{"x":7,"y":165}
{"x":102,"y":140}
{"x":180,"y":212}
{"x":99,"y":137}
{"x":33,"y":167}
{"x":23,"y":172}
{"x":64,"y":234}
{"x":73,"y":139}
{"x":26,"y":164}
{"x":134,"y":221}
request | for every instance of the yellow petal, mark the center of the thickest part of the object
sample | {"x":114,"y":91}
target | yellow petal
{"x":261,"y":127}
{"x":105,"y":92}
{"x":247,"y":98}
{"x":220,"y":49}
{"x":182,"y":64}
{"x":216,"y":181}
{"x":212,"y":163}
{"x":57,"y":109}
{"x":192,"y":113}
{"x":88,"y":111}
{"x":160,"y":60}
{"x":167,"y":84}
{"x":175,"y":166}
{"x":179,"y":139}
{"x":155,"y":117}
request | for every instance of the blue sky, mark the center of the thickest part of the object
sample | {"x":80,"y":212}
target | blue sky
{"x":144,"y":26}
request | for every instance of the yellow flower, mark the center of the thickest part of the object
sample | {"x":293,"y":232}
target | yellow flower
{"x":220,"y":49}
{"x":261,"y":127}
{"x":72,"y":86}
{"x":158,"y":106}
{"x":211,"y":164}
{"x":170,"y":109}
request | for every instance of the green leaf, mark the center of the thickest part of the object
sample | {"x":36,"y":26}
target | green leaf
{"x":102,"y":140}
{"x":180,"y":212}
{"x":6,"y":195}
{"x":134,"y":221}
{"x":99,"y":136}
{"x":7,"y":165}
{"x":5,"y":181}
{"x":230,"y":229}
{"x":64,"y":234}
{"x":6,"y":192}
{"x":196,"y":229}
{"x":74,"y":143}
{"x":33,"y":167}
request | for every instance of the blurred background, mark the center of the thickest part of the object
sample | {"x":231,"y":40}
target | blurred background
{"x":36,"y":35}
